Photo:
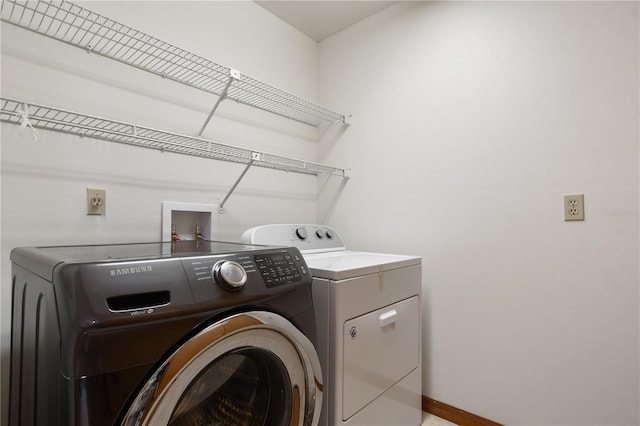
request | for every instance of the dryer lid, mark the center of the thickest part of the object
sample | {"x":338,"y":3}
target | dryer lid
{"x":346,"y":264}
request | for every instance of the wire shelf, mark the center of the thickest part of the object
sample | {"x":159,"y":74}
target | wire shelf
{"x":80,"y":27}
{"x":43,"y":117}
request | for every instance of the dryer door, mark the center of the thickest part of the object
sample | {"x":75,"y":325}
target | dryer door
{"x":380,"y":349}
{"x":253,"y":368}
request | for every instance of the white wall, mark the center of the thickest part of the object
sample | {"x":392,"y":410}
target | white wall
{"x":470,"y":122}
{"x":44,"y":182}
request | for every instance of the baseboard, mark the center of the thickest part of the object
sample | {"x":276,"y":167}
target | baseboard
{"x":453,"y":414}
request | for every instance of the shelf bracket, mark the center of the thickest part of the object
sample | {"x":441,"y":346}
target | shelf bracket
{"x":25,"y":121}
{"x":255,"y":156}
{"x":233,"y":76}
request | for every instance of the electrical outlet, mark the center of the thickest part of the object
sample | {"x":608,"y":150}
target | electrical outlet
{"x":574,"y":207}
{"x":96,"y":201}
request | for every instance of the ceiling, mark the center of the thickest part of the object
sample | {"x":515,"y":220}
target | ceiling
{"x":322,"y":19}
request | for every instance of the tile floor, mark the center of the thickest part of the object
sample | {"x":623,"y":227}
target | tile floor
{"x":431,"y":420}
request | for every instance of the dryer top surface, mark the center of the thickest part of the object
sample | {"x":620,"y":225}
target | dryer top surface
{"x":345,"y":264}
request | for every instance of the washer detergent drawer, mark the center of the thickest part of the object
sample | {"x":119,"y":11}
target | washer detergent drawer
{"x":380,"y":348}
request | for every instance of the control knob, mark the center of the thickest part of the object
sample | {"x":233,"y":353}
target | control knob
{"x":301,"y":233}
{"x":229,"y":275}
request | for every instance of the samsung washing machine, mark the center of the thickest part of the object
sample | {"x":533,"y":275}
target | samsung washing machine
{"x":185,"y":333}
{"x":367,"y":308}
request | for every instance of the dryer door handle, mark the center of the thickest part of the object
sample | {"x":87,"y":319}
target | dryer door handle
{"x":388,"y":318}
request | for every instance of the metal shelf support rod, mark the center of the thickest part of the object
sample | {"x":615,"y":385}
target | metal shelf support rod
{"x":254,"y":156}
{"x":233,"y":75}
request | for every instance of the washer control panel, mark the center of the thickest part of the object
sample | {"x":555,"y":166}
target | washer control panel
{"x":281,"y":268}
{"x":307,"y":238}
{"x":246,"y":272}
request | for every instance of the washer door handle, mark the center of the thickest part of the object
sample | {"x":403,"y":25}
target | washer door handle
{"x":388,"y":318}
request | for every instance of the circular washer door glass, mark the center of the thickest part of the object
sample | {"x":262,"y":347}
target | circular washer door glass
{"x":253,"y":368}
{"x":244,"y":388}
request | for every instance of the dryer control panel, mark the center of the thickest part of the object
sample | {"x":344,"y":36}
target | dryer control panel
{"x":308,"y":238}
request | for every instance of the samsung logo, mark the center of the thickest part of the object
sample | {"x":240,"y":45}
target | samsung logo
{"x":130,"y":270}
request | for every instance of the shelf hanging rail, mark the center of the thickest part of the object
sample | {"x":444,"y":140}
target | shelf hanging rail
{"x":72,"y":24}
{"x":49,"y":118}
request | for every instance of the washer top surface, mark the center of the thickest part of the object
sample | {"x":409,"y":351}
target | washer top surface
{"x":119,"y":284}
{"x":43,"y":259}
{"x":152,"y":250}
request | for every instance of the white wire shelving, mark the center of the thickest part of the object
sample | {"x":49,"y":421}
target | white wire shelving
{"x":50,"y":118}
{"x":80,"y":27}
{"x":59,"y":120}
{"x":77,"y":26}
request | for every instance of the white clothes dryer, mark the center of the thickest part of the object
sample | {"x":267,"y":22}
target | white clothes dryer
{"x":368,"y":320}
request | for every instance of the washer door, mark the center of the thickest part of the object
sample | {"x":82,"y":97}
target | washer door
{"x":253,"y":368}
